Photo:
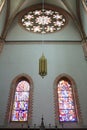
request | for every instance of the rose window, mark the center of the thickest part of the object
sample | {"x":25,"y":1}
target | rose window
{"x":47,"y":20}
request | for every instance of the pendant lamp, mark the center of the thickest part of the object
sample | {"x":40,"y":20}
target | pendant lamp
{"x":42,"y":66}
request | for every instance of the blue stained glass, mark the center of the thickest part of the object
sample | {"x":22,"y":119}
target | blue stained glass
{"x":19,"y":115}
{"x":67,"y":115}
{"x":64,"y":94}
{"x":22,"y":115}
{"x":20,"y":106}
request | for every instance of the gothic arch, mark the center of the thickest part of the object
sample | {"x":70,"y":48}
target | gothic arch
{"x":12,"y":91}
{"x":75,"y":98}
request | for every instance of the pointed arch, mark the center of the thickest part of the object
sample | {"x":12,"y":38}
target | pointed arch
{"x":67,"y":108}
{"x":20,"y":101}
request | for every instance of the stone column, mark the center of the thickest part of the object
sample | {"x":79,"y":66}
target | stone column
{"x":84,"y":46}
{"x":1,"y":45}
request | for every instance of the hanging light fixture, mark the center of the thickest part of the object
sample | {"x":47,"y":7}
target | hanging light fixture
{"x":42,"y":66}
{"x":43,"y":60}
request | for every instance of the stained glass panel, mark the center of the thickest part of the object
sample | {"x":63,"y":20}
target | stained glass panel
{"x":64,"y":94}
{"x":66,"y":102}
{"x":21,"y":96}
{"x":23,"y":86}
{"x":62,"y":86}
{"x":67,"y":115}
{"x":20,"y":105}
{"x":19,"y":115}
{"x":15,"y":115}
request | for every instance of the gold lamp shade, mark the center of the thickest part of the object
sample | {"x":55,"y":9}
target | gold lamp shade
{"x":42,"y":66}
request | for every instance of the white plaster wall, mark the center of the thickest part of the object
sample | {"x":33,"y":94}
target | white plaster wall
{"x":68,"y":33}
{"x":62,"y":58}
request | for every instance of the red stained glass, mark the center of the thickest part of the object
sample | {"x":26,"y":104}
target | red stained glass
{"x":66,"y":102}
{"x":20,"y":105}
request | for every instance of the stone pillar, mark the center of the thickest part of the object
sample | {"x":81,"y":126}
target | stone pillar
{"x":1,"y":45}
{"x":84,"y":46}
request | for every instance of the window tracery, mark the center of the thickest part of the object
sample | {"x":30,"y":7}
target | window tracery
{"x":51,"y":17}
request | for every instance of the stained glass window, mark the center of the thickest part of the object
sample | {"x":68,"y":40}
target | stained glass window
{"x":20,"y":104}
{"x":47,"y":20}
{"x":67,"y":111}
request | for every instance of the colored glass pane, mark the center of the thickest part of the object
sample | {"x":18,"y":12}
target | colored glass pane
{"x":34,"y":18}
{"x":20,"y":105}
{"x":23,"y":86}
{"x":21,"y":96}
{"x":67,"y":115}
{"x":19,"y":115}
{"x":64,"y":86}
{"x":52,"y":20}
{"x":66,"y":102}
{"x":64,"y":94}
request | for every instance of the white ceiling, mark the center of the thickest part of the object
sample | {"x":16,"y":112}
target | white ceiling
{"x":75,"y":30}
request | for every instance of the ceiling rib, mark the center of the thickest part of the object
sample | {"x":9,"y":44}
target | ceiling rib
{"x":6,"y":18}
{"x":80,"y":19}
{"x":10,"y":19}
{"x":75,"y":20}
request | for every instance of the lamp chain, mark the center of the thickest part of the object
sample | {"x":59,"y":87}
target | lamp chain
{"x":43,"y":25}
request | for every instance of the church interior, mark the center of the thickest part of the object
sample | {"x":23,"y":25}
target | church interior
{"x":43,"y":64}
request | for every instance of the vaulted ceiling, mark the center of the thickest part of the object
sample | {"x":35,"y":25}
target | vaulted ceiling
{"x":75,"y":30}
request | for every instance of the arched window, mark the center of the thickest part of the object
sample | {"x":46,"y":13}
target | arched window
{"x":20,"y":100}
{"x":21,"y":104}
{"x":67,"y":111}
{"x":66,"y":100}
